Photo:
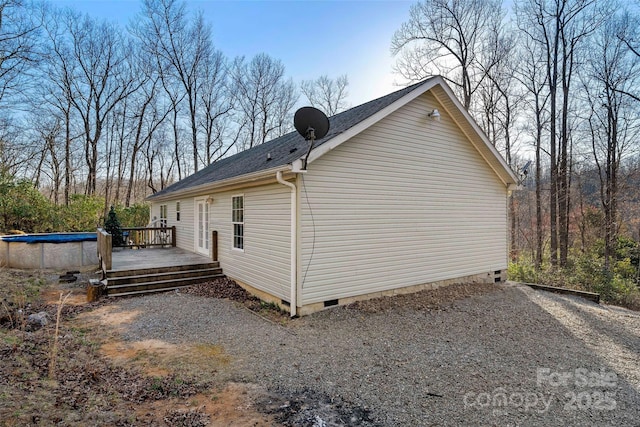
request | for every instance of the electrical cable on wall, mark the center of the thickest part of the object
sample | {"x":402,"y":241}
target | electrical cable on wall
{"x":313,"y":235}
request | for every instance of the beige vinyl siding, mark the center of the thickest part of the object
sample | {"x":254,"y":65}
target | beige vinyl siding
{"x":184,"y":227}
{"x":264,"y":262}
{"x":406,"y":202}
{"x":154,"y":211}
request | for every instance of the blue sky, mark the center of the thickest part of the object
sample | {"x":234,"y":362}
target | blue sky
{"x":311,"y":38}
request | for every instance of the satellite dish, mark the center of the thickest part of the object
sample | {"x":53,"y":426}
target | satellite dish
{"x":312,"y":124}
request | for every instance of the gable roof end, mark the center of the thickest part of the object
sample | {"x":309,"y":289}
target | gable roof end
{"x":449,"y":101}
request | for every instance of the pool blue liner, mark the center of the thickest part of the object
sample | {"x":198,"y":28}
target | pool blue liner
{"x":51,"y":238}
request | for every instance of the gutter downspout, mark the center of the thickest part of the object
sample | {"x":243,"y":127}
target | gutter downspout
{"x":294,"y":242}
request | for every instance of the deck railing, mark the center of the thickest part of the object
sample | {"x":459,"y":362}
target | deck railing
{"x":134,"y":237}
{"x":104,"y":249}
{"x":144,"y":237}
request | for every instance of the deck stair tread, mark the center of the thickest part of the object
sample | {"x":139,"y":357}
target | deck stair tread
{"x":146,"y":291}
{"x":156,"y":270}
{"x":157,"y":279}
{"x":168,"y":282}
{"x":113,"y":290}
{"x":168,"y":275}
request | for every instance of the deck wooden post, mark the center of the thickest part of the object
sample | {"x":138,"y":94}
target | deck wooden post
{"x":173,"y":236}
{"x":104,"y":245}
{"x":214,"y":245}
{"x":108,"y":251}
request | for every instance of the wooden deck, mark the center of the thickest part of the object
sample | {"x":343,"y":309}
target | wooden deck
{"x":134,"y":259}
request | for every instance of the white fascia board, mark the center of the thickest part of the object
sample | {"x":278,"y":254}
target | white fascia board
{"x":212,"y":186}
{"x":480,"y":134}
{"x":373,"y":119}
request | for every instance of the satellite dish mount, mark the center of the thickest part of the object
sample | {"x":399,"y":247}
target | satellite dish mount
{"x":312,"y":124}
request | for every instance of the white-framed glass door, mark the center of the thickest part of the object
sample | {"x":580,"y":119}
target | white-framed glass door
{"x":202,"y":226}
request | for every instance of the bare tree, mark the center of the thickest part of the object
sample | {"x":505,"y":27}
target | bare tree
{"x":19,"y":36}
{"x":501,"y":94}
{"x":175,"y":97}
{"x":216,"y":105}
{"x":559,"y":27}
{"x":19,"y":53}
{"x":148,"y":116}
{"x":58,"y":74}
{"x":103,"y":80}
{"x":119,"y":133}
{"x":14,"y":152}
{"x":581,"y":21}
{"x":263,"y":98}
{"x":448,"y":37}
{"x":630,"y":36}
{"x":613,"y":71}
{"x":533,"y":78}
{"x":160,"y":162}
{"x":182,"y":49}
{"x":50,"y":135}
{"x":327,"y":94}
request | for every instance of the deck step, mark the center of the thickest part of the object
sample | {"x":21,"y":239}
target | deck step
{"x":170,"y":275}
{"x":146,"y":291}
{"x":157,"y":270}
{"x":158,"y":285}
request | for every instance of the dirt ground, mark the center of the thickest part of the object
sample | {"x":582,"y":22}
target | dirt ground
{"x":93,"y":378}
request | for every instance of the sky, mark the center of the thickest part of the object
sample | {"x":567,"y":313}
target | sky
{"x":311,"y":38}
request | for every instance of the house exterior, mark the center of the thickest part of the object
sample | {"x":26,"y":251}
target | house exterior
{"x":393,"y":200}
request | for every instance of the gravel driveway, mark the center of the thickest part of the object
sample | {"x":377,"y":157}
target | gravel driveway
{"x":514,"y":356}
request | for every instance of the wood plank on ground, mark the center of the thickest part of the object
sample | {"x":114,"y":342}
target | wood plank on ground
{"x":592,"y":296}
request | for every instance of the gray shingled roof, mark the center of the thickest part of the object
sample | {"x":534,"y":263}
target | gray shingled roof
{"x":283,"y":150}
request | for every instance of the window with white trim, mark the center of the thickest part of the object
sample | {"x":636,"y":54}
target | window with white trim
{"x":163,"y":215}
{"x":177,"y":211}
{"x":237,"y":219}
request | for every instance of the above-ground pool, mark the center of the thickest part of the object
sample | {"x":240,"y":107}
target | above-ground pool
{"x":51,"y":250}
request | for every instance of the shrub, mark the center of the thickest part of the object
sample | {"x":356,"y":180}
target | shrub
{"x":522,"y":272}
{"x":113,"y":227}
{"x":23,"y":207}
{"x":136,"y":215}
{"x":82,"y":214}
{"x":625,"y":269}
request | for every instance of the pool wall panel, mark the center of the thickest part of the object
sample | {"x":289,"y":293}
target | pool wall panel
{"x":90,"y":254}
{"x":4,"y":254}
{"x":48,"y":255}
{"x":61,"y":255}
{"x":25,"y":255}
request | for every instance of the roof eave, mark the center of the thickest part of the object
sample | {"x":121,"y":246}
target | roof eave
{"x":240,"y":181}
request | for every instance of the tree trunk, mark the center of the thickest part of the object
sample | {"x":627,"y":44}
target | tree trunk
{"x":194,"y":130}
{"x":552,"y":69}
{"x":67,"y":155}
{"x":176,"y":140}
{"x":539,"y":236}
